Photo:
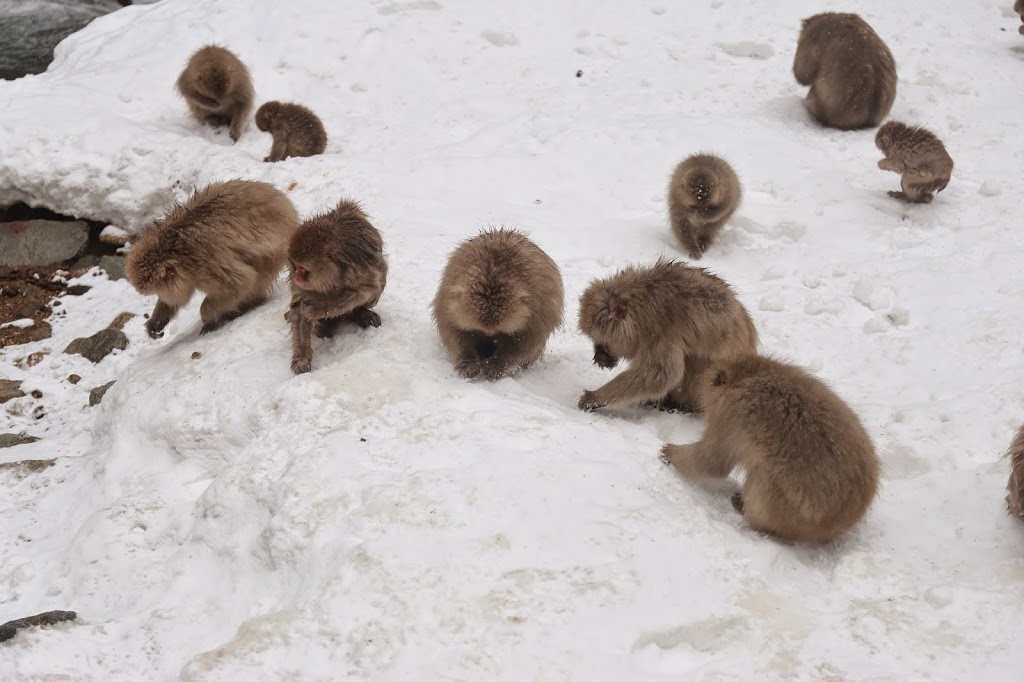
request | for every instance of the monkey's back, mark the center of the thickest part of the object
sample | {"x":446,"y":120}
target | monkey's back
{"x":920,"y":149}
{"x":214,"y":81}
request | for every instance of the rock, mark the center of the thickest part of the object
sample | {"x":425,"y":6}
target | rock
{"x":74,"y":378}
{"x":196,"y":355}
{"x":85,"y":262}
{"x":20,"y":470}
{"x":10,"y":389}
{"x":13,"y":336}
{"x":30,"y":310}
{"x":77,"y":289}
{"x":41,"y":242}
{"x":114,"y":236}
{"x":37,"y":394}
{"x":113,"y":266}
{"x":9,"y":440}
{"x":96,"y":394}
{"x":99,"y":345}
{"x":120,"y":321}
{"x":10,"y":628}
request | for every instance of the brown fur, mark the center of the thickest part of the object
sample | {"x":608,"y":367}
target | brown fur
{"x":811,"y":470}
{"x":850,"y":70}
{"x":670,"y":321}
{"x":338,"y":273}
{"x":499,"y":300}
{"x":297,"y":131}
{"x":229,"y":240}
{"x":919,"y":155}
{"x":217,"y":88}
{"x":1018,"y":7}
{"x":702,"y":195}
{"x":1015,"y":486}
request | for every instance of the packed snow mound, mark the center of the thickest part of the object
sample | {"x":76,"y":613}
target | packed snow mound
{"x":217,"y":518}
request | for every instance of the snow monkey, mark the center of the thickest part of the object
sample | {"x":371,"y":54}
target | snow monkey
{"x":702,"y":195}
{"x":338,"y":273}
{"x":499,"y":300}
{"x":297,"y":131}
{"x":670,"y":321}
{"x":850,"y":70}
{"x":1018,"y":7}
{"x":919,"y":155}
{"x":217,"y":88}
{"x":1015,"y":486}
{"x":229,"y":240}
{"x":811,"y":470}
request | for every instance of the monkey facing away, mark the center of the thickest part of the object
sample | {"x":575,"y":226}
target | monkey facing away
{"x":338,"y":273}
{"x":229,"y":240}
{"x":919,"y":156}
{"x":217,"y":88}
{"x":702,"y":195}
{"x":499,"y":300}
{"x":297,"y":131}
{"x":1015,"y":486}
{"x":850,"y":69}
{"x":811,"y":469}
{"x":670,"y":321}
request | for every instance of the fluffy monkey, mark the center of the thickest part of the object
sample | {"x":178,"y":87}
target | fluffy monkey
{"x":217,"y":88}
{"x":702,"y":195}
{"x":1015,"y":486}
{"x":919,"y":156}
{"x":670,"y":321}
{"x":811,"y":469}
{"x":338,"y":273}
{"x":850,"y":70}
{"x":499,"y":300}
{"x":229,"y":240}
{"x":297,"y":131}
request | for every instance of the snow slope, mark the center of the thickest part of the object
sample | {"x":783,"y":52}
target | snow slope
{"x":380,"y":519}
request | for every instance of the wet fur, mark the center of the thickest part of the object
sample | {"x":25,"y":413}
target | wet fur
{"x":702,"y":195}
{"x":919,"y":156}
{"x":297,"y":131}
{"x":811,"y":469}
{"x":1015,"y":486}
{"x":217,"y":88}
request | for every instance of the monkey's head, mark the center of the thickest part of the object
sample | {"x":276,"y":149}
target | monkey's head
{"x":155,"y":272}
{"x":314,"y":266}
{"x":492,"y":305}
{"x":887,"y":134}
{"x":611,"y":313}
{"x":267,"y":114}
{"x":701,"y":189}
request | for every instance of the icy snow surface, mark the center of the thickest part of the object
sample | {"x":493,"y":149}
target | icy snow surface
{"x":380,"y":519}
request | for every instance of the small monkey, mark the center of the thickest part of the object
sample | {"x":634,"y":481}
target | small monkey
{"x":499,"y":300}
{"x":1015,"y":486}
{"x":229,"y":240}
{"x":217,"y":88}
{"x":297,"y":131}
{"x":919,"y":155}
{"x":811,"y":469}
{"x":702,"y":195}
{"x":850,"y":70}
{"x":670,"y":321}
{"x":338,"y":273}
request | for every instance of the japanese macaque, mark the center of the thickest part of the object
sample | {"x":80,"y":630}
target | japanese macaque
{"x":229,"y":240}
{"x":1015,"y":486}
{"x":919,"y":156}
{"x":217,"y":88}
{"x":297,"y":131}
{"x":811,"y":469}
{"x":850,"y":70}
{"x":499,"y":300}
{"x":670,"y":321}
{"x":702,"y":195}
{"x":338,"y":273}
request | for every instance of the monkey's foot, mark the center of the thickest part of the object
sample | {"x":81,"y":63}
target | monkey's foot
{"x":301,"y":365}
{"x":365,"y":317}
{"x":211,"y":326}
{"x":737,"y":502}
{"x":469,"y":369}
{"x":898,"y":195}
{"x":666,"y":455}
{"x":604,"y":359}
{"x":155,"y":331}
{"x":589,"y":402}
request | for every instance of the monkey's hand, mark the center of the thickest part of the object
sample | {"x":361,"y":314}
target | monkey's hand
{"x":155,"y":328}
{"x":589,"y":401}
{"x":301,"y":364}
{"x":365,"y":317}
{"x":602,"y":358}
{"x":468,"y":367}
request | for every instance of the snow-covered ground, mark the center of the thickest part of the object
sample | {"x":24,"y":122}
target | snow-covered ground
{"x":380,"y":519}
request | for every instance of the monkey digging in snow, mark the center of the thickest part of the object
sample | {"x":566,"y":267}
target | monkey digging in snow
{"x":297,"y":131}
{"x":338,"y":273}
{"x":811,"y":470}
{"x":229,"y":240}
{"x":670,"y":321}
{"x":850,"y":70}
{"x":919,"y":155}
{"x":702,"y":195}
{"x":1015,"y":486}
{"x":217,"y":88}
{"x":499,"y":300}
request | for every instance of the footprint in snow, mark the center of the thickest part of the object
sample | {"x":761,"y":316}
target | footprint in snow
{"x":500,"y":38}
{"x":747,"y":49}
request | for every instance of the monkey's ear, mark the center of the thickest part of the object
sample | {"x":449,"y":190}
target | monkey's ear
{"x":719,"y":379}
{"x":167,"y":273}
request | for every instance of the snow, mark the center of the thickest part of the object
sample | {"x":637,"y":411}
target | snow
{"x":380,"y":519}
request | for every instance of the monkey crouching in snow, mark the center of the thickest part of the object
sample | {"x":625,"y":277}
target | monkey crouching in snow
{"x":217,"y":88}
{"x":702,"y":195}
{"x":919,"y":156}
{"x":297,"y":131}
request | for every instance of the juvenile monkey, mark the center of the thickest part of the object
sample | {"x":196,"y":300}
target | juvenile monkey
{"x":919,"y":155}
{"x":702,"y":195}
{"x":297,"y":131}
{"x":670,"y":321}
{"x":338,"y":273}
{"x":850,"y":70}
{"x":229,"y":240}
{"x":217,"y":88}
{"x":1015,"y":486}
{"x":499,"y":300}
{"x":811,"y":470}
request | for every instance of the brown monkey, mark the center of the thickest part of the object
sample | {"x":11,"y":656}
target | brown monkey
{"x":670,"y":321}
{"x":229,"y":240}
{"x":499,"y":300}
{"x":811,"y":470}
{"x":850,"y":70}
{"x":919,"y":155}
{"x":702,"y":195}
{"x":297,"y":131}
{"x":217,"y":88}
{"x":338,"y":273}
{"x":1015,"y":486}
{"x":1018,"y":7}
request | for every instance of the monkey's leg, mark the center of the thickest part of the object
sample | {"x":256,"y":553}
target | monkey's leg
{"x":646,"y":379}
{"x":767,"y":509}
{"x":703,"y":459}
{"x":915,"y":188}
{"x":469,"y":349}
{"x":686,"y":396}
{"x":364,"y":317}
{"x":898,"y":195}
{"x":216,"y":310}
{"x":238,"y":122}
{"x":512,"y":353}
{"x":278,"y":150}
{"x":685,"y":232}
{"x":326,"y":327}
{"x":162,"y":314}
{"x":302,"y":343}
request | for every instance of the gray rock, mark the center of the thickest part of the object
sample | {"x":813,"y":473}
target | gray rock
{"x":113,"y":266}
{"x":9,"y":440}
{"x":27,"y":37}
{"x":121,"y":320}
{"x":13,"y":336}
{"x":99,"y":345}
{"x":10,"y":389}
{"x":96,"y":394}
{"x":41,"y":242}
{"x":77,"y":289}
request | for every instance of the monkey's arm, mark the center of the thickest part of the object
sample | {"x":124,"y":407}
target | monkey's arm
{"x":336,"y":304}
{"x":511,"y":353}
{"x":279,"y":149}
{"x":302,"y":343}
{"x":239,"y":116}
{"x":890,"y":165}
{"x":604,"y":359}
{"x":162,"y":314}
{"x":649,"y":377}
{"x":703,"y":459}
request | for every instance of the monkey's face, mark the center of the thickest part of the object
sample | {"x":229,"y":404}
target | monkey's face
{"x":608,"y":315}
{"x":317,"y":273}
{"x":154,"y":274}
{"x":489,"y":308}
{"x":266,"y":115}
{"x":885,"y":135}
